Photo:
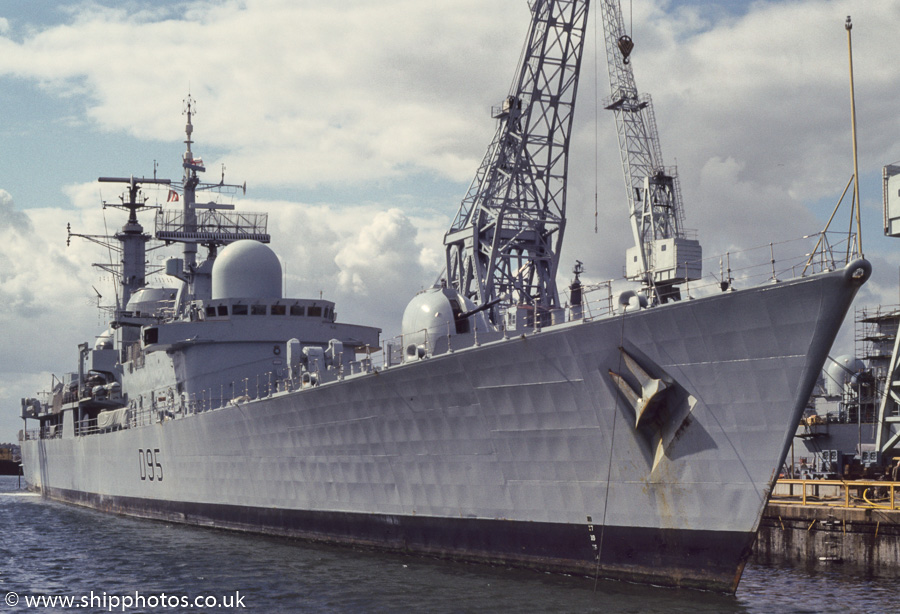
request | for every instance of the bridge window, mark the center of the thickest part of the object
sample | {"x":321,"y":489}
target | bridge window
{"x":257,"y":310}
{"x":279,"y":310}
{"x":298,"y":310}
{"x":151,"y":335}
{"x":238,"y":310}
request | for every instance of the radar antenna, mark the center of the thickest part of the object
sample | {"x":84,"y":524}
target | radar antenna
{"x":209,"y":224}
{"x":189,"y":228}
{"x":662,"y":256}
{"x":503,"y":246}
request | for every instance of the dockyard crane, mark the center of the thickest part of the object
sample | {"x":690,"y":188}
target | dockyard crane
{"x":662,"y":256}
{"x":503,"y":246}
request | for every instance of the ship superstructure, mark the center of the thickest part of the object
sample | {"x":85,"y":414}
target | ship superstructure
{"x":637,"y":442}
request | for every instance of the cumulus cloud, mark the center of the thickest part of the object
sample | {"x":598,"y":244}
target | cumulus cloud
{"x":21,"y":257}
{"x":49,"y":303}
{"x":9,"y":217}
{"x":374,"y":251}
{"x":368,"y":259}
{"x":300,"y":94}
{"x":38,"y":272}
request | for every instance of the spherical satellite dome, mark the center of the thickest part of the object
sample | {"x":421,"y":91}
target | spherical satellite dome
{"x":839,"y":372}
{"x":148,"y":301}
{"x":246,"y":269}
{"x":439,"y":312}
{"x":105,"y":341}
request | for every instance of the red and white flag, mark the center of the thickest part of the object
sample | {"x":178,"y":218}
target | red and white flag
{"x":173,"y":196}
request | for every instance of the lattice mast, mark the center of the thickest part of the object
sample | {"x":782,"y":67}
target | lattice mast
{"x":662,"y":256}
{"x":129,"y":243}
{"x":189,"y":183}
{"x":208,"y":224}
{"x":503,"y":246}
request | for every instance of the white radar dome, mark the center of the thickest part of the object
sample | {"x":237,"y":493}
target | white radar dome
{"x":439,"y":312}
{"x":105,"y":341}
{"x":148,"y":301}
{"x":838,"y":373}
{"x":246,"y":269}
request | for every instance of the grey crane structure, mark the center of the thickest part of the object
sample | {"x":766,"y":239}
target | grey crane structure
{"x":887,"y":433}
{"x":503,"y":245}
{"x":662,"y":256}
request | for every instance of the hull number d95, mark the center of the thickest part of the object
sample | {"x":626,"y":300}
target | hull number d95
{"x":151,"y":467}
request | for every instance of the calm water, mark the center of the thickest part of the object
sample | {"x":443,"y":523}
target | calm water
{"x":49,"y":548}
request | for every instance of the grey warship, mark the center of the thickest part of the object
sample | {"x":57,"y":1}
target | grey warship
{"x":638,"y":442}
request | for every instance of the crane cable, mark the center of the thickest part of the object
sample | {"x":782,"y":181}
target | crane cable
{"x":596,"y":124}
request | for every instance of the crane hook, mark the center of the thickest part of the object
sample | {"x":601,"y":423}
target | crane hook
{"x":625,"y":46}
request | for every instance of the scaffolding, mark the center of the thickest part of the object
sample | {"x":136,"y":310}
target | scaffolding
{"x":876,"y":330}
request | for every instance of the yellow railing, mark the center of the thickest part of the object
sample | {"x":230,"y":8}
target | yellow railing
{"x":838,"y":493}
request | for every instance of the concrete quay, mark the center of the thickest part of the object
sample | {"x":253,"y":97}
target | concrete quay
{"x":855,"y":524}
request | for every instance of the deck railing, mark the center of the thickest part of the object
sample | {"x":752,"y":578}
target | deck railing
{"x":867,"y":494}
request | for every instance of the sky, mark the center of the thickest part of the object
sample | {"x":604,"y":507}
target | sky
{"x":358,"y":125}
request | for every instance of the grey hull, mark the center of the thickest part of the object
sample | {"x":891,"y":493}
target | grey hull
{"x":526,"y":451}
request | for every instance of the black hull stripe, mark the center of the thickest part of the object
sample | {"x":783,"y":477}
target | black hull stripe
{"x":709,"y":560}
